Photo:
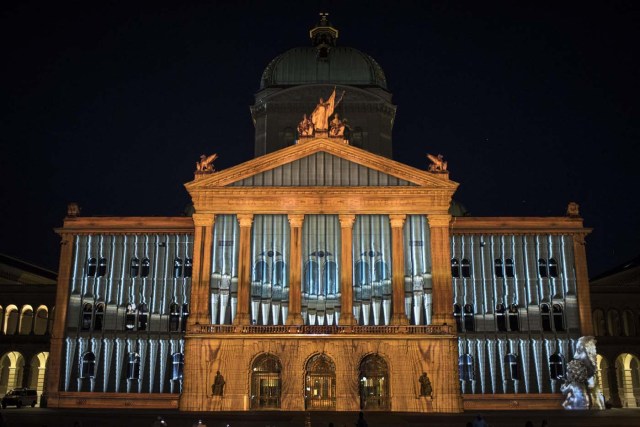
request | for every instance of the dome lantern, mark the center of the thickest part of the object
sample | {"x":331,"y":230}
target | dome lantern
{"x":323,"y":36}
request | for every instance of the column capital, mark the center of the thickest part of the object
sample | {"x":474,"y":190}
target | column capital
{"x":245,"y":219}
{"x":295,"y":220}
{"x":346,"y":221}
{"x":203,"y":219}
{"x":439,"y":220}
{"x":397,"y":221}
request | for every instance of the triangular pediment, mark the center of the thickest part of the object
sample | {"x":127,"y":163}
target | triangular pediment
{"x":321,"y":163}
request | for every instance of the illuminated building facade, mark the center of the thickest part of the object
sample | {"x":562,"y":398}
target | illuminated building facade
{"x":319,"y":275}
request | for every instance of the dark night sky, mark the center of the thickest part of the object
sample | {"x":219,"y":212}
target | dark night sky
{"x":534,"y":104}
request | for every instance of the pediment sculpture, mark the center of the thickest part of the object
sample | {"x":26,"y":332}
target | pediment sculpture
{"x":205,"y":164}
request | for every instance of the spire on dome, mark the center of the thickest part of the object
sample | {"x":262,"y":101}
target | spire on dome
{"x":323,"y":35}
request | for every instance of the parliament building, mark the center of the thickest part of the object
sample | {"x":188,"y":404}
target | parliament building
{"x":320,"y":275}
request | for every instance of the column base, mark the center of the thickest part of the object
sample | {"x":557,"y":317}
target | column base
{"x":294,"y":319}
{"x":399,"y":319}
{"x":242,"y":319}
{"x":347,"y":319}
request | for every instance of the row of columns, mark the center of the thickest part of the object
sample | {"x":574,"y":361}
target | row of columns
{"x":440,"y":256}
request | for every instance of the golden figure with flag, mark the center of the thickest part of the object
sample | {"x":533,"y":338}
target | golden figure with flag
{"x":324,"y":110}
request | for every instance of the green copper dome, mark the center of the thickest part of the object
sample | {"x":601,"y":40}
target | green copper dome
{"x":323,"y":62}
{"x":341,"y":65}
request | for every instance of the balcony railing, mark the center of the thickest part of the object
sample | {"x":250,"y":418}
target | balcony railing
{"x":321,"y":330}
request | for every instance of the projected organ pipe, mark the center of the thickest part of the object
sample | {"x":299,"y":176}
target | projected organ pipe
{"x":320,"y":272}
{"x":270,"y":277}
{"x":372,"y":270}
{"x":224,"y":269}
{"x":417,"y":270}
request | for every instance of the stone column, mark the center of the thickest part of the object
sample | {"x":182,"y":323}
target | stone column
{"x":295,"y":267}
{"x":200,"y":279}
{"x":441,"y":269}
{"x":582,"y":284}
{"x":57,"y":333}
{"x":346,"y":269}
{"x":397,"y":267}
{"x":244,"y":269}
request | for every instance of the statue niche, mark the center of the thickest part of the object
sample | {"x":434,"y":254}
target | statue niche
{"x":217,"y":389}
{"x":425,"y":385}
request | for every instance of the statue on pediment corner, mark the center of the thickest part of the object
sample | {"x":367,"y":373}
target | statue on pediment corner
{"x":573,"y":210}
{"x":73,"y":210}
{"x":438,"y":164}
{"x":205,"y":164}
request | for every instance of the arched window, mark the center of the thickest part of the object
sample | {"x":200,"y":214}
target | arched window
{"x":511,"y":363}
{"x":556,"y":366}
{"x":174,"y":317}
{"x":143,"y":315}
{"x":542,"y":267}
{"x":144,"y":270}
{"x":545,"y":314}
{"x":134,"y":267}
{"x":177,"y":364}
{"x":553,"y":267}
{"x":87,"y":316}
{"x":599,"y":324}
{"x":320,"y":384}
{"x":498,"y":268}
{"x":501,"y":320}
{"x":102,"y":267}
{"x":11,"y":320}
{"x":628,"y":323}
{"x":514,"y":318}
{"x":265,"y":382}
{"x":88,"y":365}
{"x":177,"y":267}
{"x":457,"y":316}
{"x":41,"y":321}
{"x":92,"y":266}
{"x":261,"y":271}
{"x":133,"y":366}
{"x":469,"y":322}
{"x":455,"y":267}
{"x":26,"y":320}
{"x":98,"y":317}
{"x":509,"y":267}
{"x":558,"y":317}
{"x":465,"y":367}
{"x":466,"y":268}
{"x":374,"y":383}
{"x":188,"y":267}
{"x":130,"y":318}
{"x":613,"y":321}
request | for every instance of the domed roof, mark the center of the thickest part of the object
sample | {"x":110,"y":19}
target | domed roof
{"x":323,"y":62}
{"x":342,"y":65}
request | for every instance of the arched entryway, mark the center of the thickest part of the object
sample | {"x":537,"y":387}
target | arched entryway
{"x":38,"y":369}
{"x":11,"y":371}
{"x":266,"y":382}
{"x":603,"y":376}
{"x":628,"y":375}
{"x":320,"y":383}
{"x":374,"y":384}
